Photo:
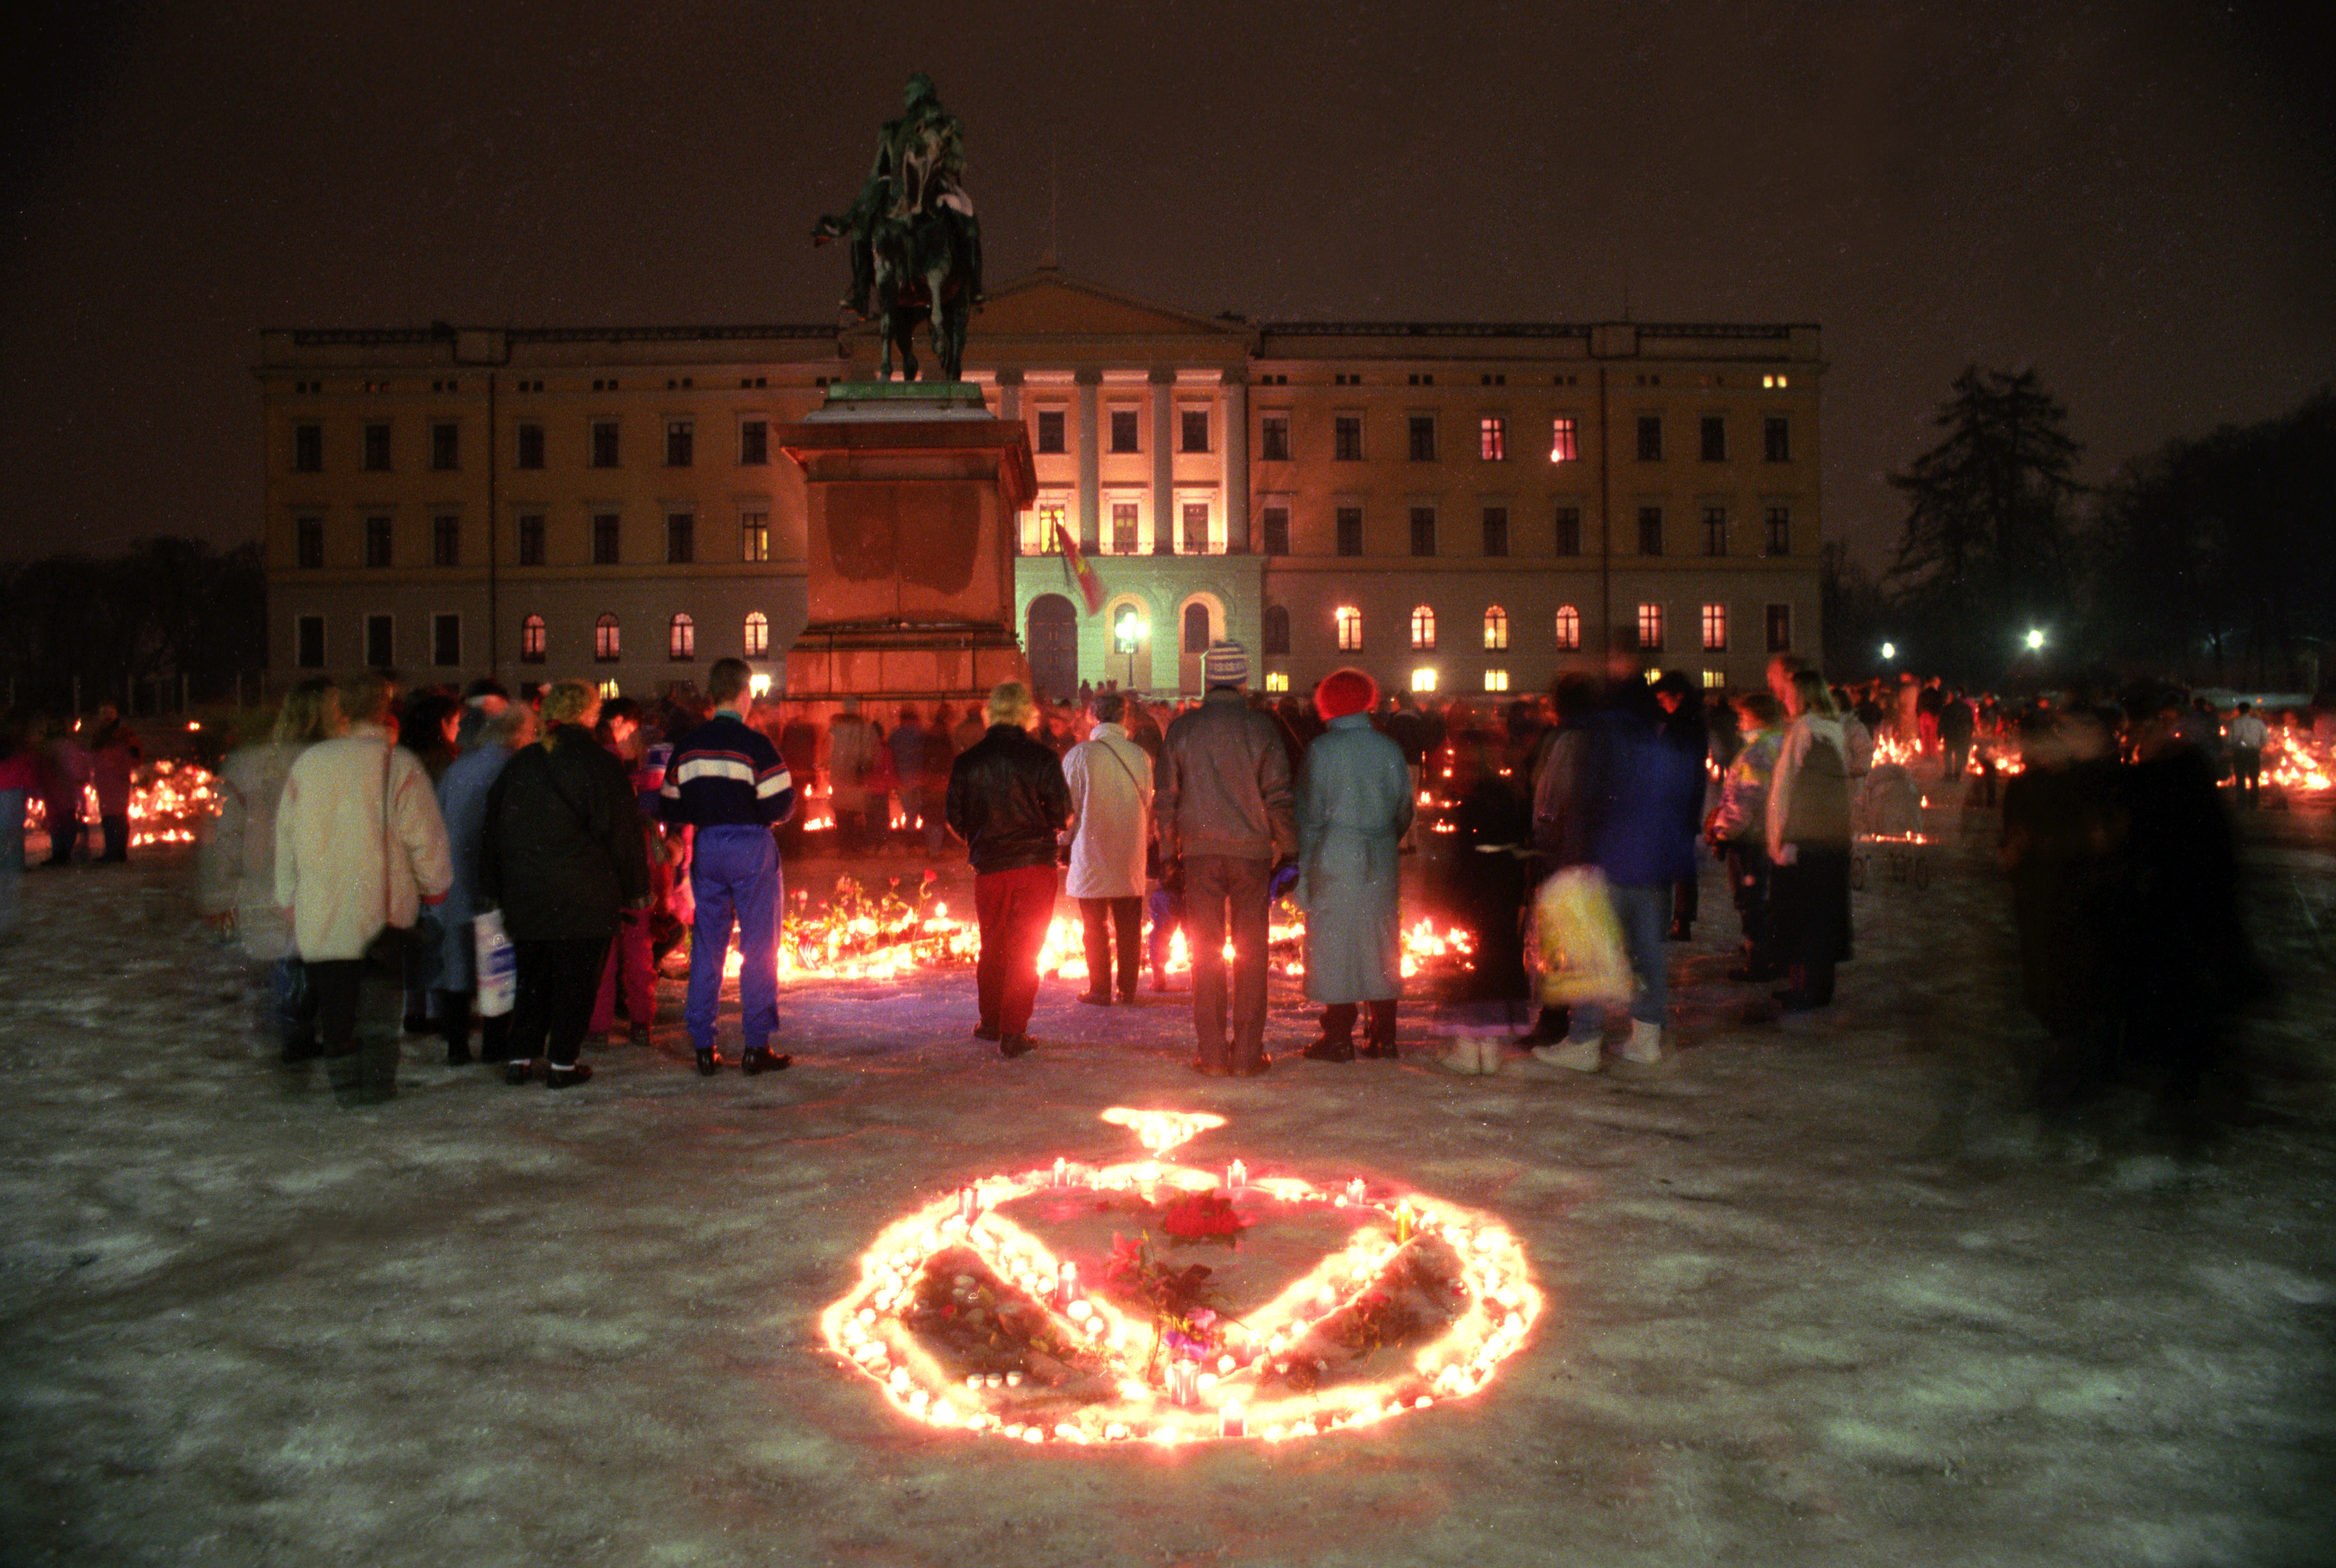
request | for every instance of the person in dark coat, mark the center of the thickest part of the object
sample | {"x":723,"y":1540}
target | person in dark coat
{"x":1007,"y":801}
{"x":1685,"y":728}
{"x":562,"y":858}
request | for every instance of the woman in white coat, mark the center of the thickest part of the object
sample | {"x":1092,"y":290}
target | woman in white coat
{"x":1110,"y":778}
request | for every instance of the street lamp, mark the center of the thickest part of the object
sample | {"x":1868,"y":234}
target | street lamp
{"x":2035,"y":640}
{"x":1127,"y":631}
{"x":1888,"y":651}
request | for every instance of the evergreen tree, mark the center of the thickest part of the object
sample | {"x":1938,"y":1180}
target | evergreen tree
{"x":1986,"y":551}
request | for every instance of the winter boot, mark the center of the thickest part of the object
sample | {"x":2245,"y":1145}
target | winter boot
{"x":1645,"y":1044}
{"x":1581,"y":1056}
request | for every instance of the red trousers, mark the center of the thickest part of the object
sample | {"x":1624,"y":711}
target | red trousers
{"x":631,"y":960}
{"x":1013,"y":909}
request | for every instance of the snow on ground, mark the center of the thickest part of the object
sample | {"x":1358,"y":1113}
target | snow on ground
{"x":1816,"y":1297}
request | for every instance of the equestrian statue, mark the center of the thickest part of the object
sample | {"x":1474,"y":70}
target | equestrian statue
{"x":916,"y":245}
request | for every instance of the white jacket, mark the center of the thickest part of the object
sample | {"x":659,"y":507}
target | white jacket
{"x":236,"y":870}
{"x":347,"y":862}
{"x":1111,"y":793}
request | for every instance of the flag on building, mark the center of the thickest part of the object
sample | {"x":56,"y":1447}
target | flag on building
{"x":1076,"y":566}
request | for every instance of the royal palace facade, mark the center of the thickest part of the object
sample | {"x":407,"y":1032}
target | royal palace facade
{"x":1459,"y":508}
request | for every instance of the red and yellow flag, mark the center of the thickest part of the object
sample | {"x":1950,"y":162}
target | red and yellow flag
{"x":1081,"y":573}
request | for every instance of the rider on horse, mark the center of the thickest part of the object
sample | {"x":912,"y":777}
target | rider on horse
{"x":919,"y":169}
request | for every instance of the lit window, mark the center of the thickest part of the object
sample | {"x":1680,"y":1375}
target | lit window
{"x":1496,"y":680}
{"x":1650,"y":629}
{"x":1497,"y":629}
{"x":1493,"y":438}
{"x":681,"y":638}
{"x":1422,"y":629}
{"x":758,"y":634}
{"x":1196,"y":539}
{"x":1127,"y":528}
{"x":608,"y":690}
{"x":1564,"y":445}
{"x":1714,"y":628}
{"x":531,"y":640}
{"x":1350,"y":629}
{"x":1277,"y":680}
{"x":608,"y":643}
{"x":1424,"y":678}
{"x":1774,"y":382}
{"x":1038,"y":527}
{"x":1569,"y":630}
{"x":1713,"y":679}
{"x":754,"y":536}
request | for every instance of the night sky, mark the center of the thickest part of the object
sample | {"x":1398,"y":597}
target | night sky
{"x":2139,"y":200}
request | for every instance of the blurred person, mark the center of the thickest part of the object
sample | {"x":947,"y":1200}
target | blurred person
{"x":1110,"y":781}
{"x":561,"y":858}
{"x":115,"y":754}
{"x":493,"y":739}
{"x":631,"y":964}
{"x":2247,"y":737}
{"x":907,"y":743}
{"x":1007,"y":801}
{"x":1225,"y":815}
{"x":235,"y":870}
{"x":1490,"y":878}
{"x":1956,"y":727}
{"x":729,"y":783}
{"x":360,"y":849}
{"x":1808,"y":839}
{"x":936,"y":757}
{"x":850,"y":764}
{"x":799,"y":742}
{"x":1738,"y":831}
{"x":19,"y":779}
{"x":429,"y":727}
{"x":63,"y":767}
{"x":1354,"y":802}
{"x":1684,"y":729}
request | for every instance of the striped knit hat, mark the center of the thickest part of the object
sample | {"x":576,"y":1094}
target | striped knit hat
{"x":1225,"y":664}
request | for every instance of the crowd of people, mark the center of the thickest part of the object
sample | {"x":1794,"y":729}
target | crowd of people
{"x":588,"y":839}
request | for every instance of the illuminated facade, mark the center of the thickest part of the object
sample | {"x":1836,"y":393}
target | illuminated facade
{"x":1458,"y":508}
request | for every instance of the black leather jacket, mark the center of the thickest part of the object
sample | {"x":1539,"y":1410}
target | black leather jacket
{"x":1007,"y":800}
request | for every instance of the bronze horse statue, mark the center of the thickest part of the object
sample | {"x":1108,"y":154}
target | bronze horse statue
{"x":919,"y":268}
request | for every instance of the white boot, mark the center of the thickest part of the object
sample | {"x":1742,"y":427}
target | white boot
{"x":1490,"y":1048}
{"x":1462,"y":1057}
{"x":1581,"y":1056}
{"x":1645,"y":1044}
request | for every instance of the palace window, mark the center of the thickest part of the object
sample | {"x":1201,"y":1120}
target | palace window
{"x":1497,"y":531}
{"x":1350,"y":621}
{"x":1196,"y":528}
{"x":681,"y":638}
{"x":530,"y":538}
{"x":1497,"y":629}
{"x":1568,"y":530}
{"x":1715,"y":438}
{"x":1650,"y":629}
{"x":1124,"y":425}
{"x":758,"y":634}
{"x":1651,"y":531}
{"x":1651,"y":438}
{"x":446,"y":446}
{"x":1422,"y":629}
{"x":1423,"y":531}
{"x":1050,"y":430}
{"x":1274,"y":527}
{"x":1273,"y":438}
{"x":446,"y":640}
{"x":377,"y":541}
{"x":1780,"y":628}
{"x":1127,"y":528}
{"x":604,"y":443}
{"x":1715,"y":531}
{"x":1714,"y":628}
{"x":607,"y":642}
{"x":680,"y":538}
{"x":380,"y":641}
{"x":1037,"y":529}
{"x":530,"y":451}
{"x":1564,"y":439}
{"x":1496,"y":680}
{"x":1351,"y":530}
{"x":308,"y":448}
{"x":1569,"y":630}
{"x":309,"y":542}
{"x":754,"y":536}
{"x":1423,"y":438}
{"x":1347,"y":438}
{"x":605,"y":539}
{"x":680,"y":443}
{"x":1196,"y":628}
{"x":1780,"y":529}
{"x":309,"y":642}
{"x":753,"y":443}
{"x":1776,"y":439}
{"x":376,"y":448}
{"x":1493,"y":438}
{"x":531,"y":640}
{"x":1277,"y":629}
{"x":1192,"y":430}
{"x":445,"y":541}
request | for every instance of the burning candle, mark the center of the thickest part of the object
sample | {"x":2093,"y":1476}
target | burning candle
{"x":1354,"y":1190}
{"x":1234,"y":1420}
{"x":1236,"y":1175}
{"x":1062,"y":1170}
{"x":1067,"y":1281}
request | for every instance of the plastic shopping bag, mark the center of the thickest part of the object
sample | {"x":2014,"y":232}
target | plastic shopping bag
{"x":498,"y":965}
{"x":1578,"y":942}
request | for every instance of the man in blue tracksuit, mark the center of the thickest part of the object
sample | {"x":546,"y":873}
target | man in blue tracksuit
{"x":727,"y":781}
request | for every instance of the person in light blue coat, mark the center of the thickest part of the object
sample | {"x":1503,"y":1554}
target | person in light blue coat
{"x":1354,"y":805}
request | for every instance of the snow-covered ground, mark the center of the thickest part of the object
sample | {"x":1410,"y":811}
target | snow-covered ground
{"x":1818,"y":1296}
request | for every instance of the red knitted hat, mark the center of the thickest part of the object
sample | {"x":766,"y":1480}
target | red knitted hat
{"x":1345,"y":691}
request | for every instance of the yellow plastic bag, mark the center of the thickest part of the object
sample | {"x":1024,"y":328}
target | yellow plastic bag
{"x":1578,"y":942}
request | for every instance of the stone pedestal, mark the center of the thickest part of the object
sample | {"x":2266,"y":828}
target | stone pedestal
{"x":912,"y":488}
